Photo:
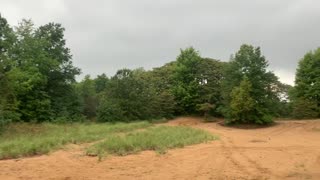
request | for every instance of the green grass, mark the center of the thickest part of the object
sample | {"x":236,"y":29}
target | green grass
{"x":158,"y":138}
{"x":24,"y":139}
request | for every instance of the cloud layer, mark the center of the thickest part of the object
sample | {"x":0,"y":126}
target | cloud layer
{"x":107,"y":35}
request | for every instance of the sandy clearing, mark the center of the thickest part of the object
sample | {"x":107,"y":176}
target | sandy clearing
{"x":289,"y":150}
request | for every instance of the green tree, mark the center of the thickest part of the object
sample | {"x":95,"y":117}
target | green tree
{"x":60,"y":73}
{"x":38,"y":73}
{"x":197,"y":80}
{"x":8,"y":103}
{"x":161,"y":82}
{"x":28,"y":65}
{"x":101,"y":83}
{"x":87,"y":91}
{"x":186,"y":85}
{"x":248,"y":62}
{"x":305,"y":109}
{"x":128,"y":91}
{"x":209,"y":76}
{"x":135,"y":95}
{"x":242,"y":105}
{"x":305,"y":95}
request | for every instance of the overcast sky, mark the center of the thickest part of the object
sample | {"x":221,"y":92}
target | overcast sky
{"x":108,"y":35}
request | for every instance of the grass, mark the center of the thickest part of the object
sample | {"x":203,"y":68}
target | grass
{"x":21,"y":140}
{"x":158,"y":138}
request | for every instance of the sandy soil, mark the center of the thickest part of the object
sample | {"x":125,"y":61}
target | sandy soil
{"x":289,"y":150}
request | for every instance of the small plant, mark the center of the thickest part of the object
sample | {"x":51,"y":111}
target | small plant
{"x":305,"y":109}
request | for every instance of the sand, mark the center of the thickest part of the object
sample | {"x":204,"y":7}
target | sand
{"x":287,"y":150}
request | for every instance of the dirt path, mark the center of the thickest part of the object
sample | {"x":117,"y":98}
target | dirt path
{"x":289,"y":150}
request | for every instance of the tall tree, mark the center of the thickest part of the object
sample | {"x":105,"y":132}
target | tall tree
{"x":249,"y":62}
{"x":29,"y":64}
{"x":40,"y":72}
{"x":209,"y":76}
{"x":161,"y":81}
{"x":197,"y":81}
{"x":61,"y":74}
{"x":306,"y":94}
{"x":185,"y":89}
{"x":8,"y":103}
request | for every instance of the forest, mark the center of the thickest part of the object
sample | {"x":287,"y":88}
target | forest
{"x":38,"y":84}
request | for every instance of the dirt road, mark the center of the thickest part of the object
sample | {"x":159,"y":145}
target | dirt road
{"x":289,"y":150}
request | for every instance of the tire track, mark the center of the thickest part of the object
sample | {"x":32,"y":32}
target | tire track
{"x":229,"y":152}
{"x":282,"y":129}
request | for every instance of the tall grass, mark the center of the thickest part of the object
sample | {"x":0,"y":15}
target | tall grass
{"x":26,"y":140}
{"x":158,"y":138}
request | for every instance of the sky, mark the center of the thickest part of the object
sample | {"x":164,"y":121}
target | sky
{"x":108,"y":35}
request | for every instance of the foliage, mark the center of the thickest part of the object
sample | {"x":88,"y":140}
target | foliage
{"x":305,"y":109}
{"x":196,"y":81}
{"x":100,"y":83}
{"x":22,"y":139}
{"x":129,"y":96}
{"x":8,"y":102}
{"x":249,"y":62}
{"x":86,"y":89}
{"x":111,"y":111}
{"x":37,"y":84}
{"x":185,"y":83}
{"x":158,"y":138}
{"x":205,"y":108}
{"x":36,"y":73}
{"x":242,"y":105}
{"x":305,"y":96}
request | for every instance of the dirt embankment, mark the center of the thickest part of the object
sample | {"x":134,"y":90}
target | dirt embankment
{"x":289,"y":150}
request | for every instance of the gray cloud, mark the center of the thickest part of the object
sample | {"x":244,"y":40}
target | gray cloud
{"x":107,"y":35}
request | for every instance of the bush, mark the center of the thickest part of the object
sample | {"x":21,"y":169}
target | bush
{"x":305,"y":109}
{"x":205,"y":108}
{"x":110,"y":111}
{"x":5,"y":119}
{"x":2,"y":123}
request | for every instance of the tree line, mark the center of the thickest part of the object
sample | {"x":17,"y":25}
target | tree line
{"x":37,"y":84}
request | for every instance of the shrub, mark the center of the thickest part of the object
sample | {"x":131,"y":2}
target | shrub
{"x":305,"y":109}
{"x":110,"y":111}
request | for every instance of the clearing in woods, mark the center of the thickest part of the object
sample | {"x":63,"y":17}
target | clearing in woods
{"x":288,"y":150}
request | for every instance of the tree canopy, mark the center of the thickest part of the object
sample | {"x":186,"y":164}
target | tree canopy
{"x":38,"y":83}
{"x":305,"y":96}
